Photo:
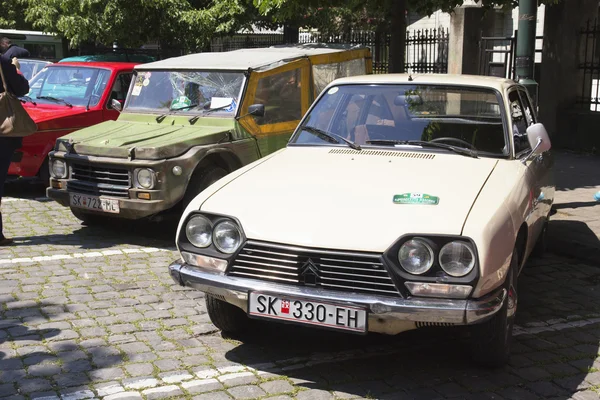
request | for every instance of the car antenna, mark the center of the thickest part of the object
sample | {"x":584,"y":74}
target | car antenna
{"x":410,"y":78}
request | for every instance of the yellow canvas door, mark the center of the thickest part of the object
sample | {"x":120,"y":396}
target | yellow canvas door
{"x":285,"y":92}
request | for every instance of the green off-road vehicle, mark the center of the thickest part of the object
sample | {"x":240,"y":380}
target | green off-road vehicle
{"x":190,"y":120}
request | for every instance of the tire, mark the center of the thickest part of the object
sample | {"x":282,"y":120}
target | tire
{"x":542,"y":242}
{"x":200,"y":181}
{"x":86,"y":218}
{"x":44,"y":173}
{"x":227,"y":317}
{"x":490,"y":341}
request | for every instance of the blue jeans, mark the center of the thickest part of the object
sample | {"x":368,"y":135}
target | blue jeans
{"x":8,"y":145}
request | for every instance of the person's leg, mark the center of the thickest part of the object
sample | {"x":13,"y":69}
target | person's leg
{"x":8,"y":145}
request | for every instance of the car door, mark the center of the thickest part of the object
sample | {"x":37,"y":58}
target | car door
{"x":541,"y":165}
{"x":118,"y":92}
{"x":521,"y":117}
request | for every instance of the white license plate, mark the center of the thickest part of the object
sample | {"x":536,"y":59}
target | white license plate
{"x":94,"y":203}
{"x":283,"y":308}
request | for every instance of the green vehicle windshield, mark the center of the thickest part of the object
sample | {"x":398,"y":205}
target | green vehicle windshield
{"x":192,"y":92}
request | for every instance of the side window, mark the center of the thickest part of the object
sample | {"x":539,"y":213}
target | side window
{"x":120,"y":87}
{"x":282,"y":96}
{"x":519,"y":123}
{"x":529,"y":115}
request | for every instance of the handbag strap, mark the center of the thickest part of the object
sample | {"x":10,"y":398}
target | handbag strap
{"x":3,"y":78}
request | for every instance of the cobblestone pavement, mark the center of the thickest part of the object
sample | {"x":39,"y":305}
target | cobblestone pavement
{"x":91,"y":312}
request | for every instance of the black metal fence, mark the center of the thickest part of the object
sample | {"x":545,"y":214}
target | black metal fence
{"x":589,"y":65}
{"x":426,"y":50}
{"x":497,"y":56}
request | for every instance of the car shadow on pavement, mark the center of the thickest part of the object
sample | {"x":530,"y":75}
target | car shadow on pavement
{"x":45,"y":358}
{"x":572,"y":238}
{"x":554,"y":355}
{"x":108,"y":235}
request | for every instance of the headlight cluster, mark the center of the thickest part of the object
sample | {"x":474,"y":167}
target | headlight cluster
{"x":58,"y":169}
{"x":225,"y":235}
{"x":144,"y":178}
{"x":417,"y":256}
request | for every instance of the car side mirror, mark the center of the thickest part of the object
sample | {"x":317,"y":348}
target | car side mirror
{"x":258,"y":110}
{"x":115,"y":105}
{"x":538,"y":140}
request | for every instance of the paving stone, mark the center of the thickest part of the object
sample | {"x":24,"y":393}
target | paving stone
{"x":124,"y":396}
{"x":139,"y":369}
{"x":246,"y":392}
{"x":213,"y":396}
{"x":237,"y":378}
{"x":140,"y":383}
{"x":314,"y":394}
{"x":105,"y":374}
{"x":276,"y":387}
{"x":202,"y":385}
{"x":162,"y":392}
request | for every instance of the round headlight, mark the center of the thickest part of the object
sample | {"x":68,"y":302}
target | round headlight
{"x":199,"y":231}
{"x":59,"y":169}
{"x":227,"y":237}
{"x":457,"y":258}
{"x":416,"y":256}
{"x":145,"y":178}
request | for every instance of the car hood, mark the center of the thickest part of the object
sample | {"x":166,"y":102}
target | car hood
{"x":344,"y":199}
{"x":145,"y":138}
{"x":43,"y":114}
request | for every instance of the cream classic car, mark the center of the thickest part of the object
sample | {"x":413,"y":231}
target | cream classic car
{"x":399,"y":202}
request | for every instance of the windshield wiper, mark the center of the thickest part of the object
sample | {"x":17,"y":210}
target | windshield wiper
{"x":331,"y":135}
{"x":55,"y":99}
{"x":208,"y":110}
{"x":162,"y":116}
{"x":29,"y":99}
{"x":422,"y":143}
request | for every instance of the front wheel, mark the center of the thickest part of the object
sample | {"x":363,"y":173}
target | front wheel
{"x":227,"y":317}
{"x":490,"y":341}
{"x":200,"y":181}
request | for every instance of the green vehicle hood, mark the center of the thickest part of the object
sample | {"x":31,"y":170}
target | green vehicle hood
{"x":138,"y":136}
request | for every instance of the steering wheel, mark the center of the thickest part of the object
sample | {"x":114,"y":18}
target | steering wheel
{"x":455,"y":140}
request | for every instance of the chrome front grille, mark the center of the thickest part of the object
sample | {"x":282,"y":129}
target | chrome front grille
{"x":99,"y":180}
{"x":356,"y":272}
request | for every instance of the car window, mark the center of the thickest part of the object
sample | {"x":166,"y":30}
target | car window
{"x":121,"y":87}
{"x":529,"y":114}
{"x":282,"y":96}
{"x":519,"y":122}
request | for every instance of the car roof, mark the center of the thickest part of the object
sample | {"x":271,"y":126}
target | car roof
{"x":244,"y":59}
{"x":116,"y":66}
{"x":416,"y":79}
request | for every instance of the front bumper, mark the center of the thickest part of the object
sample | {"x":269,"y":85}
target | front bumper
{"x":427,"y":311}
{"x":129,"y":208}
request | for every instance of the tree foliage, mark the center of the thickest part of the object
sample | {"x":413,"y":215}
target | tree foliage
{"x":183,"y":23}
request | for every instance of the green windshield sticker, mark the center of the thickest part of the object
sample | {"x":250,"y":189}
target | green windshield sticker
{"x":416,"y":198}
{"x":180,"y":102}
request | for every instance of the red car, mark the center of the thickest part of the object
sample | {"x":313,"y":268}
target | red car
{"x":65,"y":97}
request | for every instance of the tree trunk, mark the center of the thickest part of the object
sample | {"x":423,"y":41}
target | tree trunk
{"x":397,"y":36}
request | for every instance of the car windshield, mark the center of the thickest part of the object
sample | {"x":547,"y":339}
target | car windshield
{"x":191,"y":92}
{"x":387,"y":115}
{"x":69,"y":85}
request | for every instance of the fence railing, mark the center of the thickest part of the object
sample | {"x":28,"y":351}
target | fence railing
{"x":426,"y":50}
{"x":589,"y":65}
